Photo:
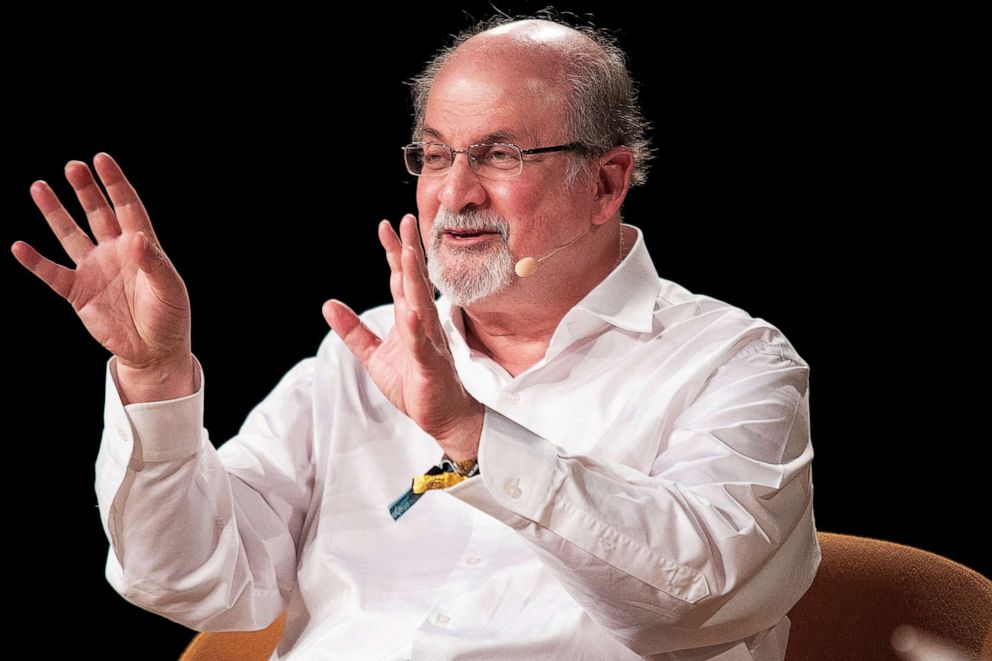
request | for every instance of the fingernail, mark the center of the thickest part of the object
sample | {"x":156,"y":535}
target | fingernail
{"x":71,"y":162}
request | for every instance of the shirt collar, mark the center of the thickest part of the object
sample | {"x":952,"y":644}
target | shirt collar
{"x":625,"y":298}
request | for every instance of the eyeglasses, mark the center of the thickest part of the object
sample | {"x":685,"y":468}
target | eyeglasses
{"x":499,"y":160}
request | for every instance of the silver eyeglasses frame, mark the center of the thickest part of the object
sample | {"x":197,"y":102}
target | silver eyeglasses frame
{"x":473,"y":159}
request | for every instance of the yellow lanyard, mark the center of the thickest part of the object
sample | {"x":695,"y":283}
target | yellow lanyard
{"x":441,"y":476}
{"x":422,"y":483}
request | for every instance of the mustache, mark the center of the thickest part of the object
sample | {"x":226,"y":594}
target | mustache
{"x":475,"y":221}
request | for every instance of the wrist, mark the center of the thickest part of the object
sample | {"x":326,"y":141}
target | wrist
{"x":170,"y":379}
{"x":462,"y":444}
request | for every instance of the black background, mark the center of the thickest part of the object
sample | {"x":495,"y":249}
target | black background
{"x":793,"y":179}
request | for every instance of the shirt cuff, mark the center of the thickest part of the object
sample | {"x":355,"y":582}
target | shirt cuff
{"x":165,"y":430}
{"x":517,"y":471}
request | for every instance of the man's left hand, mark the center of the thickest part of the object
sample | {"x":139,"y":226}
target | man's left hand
{"x":413,"y":366}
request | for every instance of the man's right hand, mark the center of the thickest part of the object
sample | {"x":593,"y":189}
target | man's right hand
{"x":124,"y":289}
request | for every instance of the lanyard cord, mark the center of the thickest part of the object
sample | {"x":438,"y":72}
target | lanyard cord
{"x":442,"y":476}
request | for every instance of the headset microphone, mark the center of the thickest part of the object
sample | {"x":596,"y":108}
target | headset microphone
{"x":528,"y":265}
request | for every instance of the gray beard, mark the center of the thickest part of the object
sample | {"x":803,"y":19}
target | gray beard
{"x":467,"y":274}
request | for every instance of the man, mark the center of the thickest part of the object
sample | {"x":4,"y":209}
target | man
{"x":618,"y":468}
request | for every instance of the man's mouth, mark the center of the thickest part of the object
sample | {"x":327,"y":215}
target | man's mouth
{"x":462,"y":233}
{"x":468,"y":237}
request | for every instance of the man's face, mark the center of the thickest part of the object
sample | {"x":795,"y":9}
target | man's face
{"x":527,"y":215}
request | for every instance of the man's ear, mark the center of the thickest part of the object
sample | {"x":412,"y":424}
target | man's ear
{"x":613,"y":174}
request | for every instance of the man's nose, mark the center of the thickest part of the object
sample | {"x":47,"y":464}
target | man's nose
{"x":461,"y":186}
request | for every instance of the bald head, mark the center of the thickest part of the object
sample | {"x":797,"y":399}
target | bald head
{"x":533,"y":38}
{"x":519,"y":63}
{"x":542,"y":53}
{"x":581,"y":69}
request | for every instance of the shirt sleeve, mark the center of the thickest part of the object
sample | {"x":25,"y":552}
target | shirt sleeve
{"x":206,"y":537}
{"x":714,"y":544}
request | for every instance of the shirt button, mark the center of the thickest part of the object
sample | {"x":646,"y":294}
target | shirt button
{"x":513,"y":491}
{"x":122,"y":434}
{"x":442,"y":620}
{"x":512,"y":398}
{"x":472,"y":560}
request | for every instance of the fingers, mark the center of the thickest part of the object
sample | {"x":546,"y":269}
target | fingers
{"x":102,"y":220}
{"x":393,"y":248}
{"x":54,"y":275}
{"x":418,"y":249}
{"x":74,"y":240}
{"x":394,"y":255}
{"x":416,"y":287}
{"x":130,"y":211}
{"x":392,"y":244}
{"x":409,"y":285}
{"x":417,"y":337}
{"x":357,"y":336}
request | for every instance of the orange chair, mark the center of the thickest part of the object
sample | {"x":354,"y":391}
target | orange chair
{"x":236,"y":645}
{"x":865,"y":588}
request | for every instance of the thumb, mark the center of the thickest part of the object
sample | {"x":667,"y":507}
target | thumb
{"x":358,"y":337}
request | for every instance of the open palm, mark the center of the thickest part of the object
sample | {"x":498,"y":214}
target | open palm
{"x":413,"y":366}
{"x":124,"y":289}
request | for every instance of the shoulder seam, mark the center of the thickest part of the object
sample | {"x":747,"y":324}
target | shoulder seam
{"x":759,"y":346}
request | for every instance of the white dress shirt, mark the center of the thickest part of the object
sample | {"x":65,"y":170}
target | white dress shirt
{"x":645,"y":492}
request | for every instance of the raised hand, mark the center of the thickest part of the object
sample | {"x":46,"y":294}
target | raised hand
{"x":413,"y":366}
{"x":124,"y":289}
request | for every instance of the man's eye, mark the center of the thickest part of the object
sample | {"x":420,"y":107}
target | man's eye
{"x":500,"y":155}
